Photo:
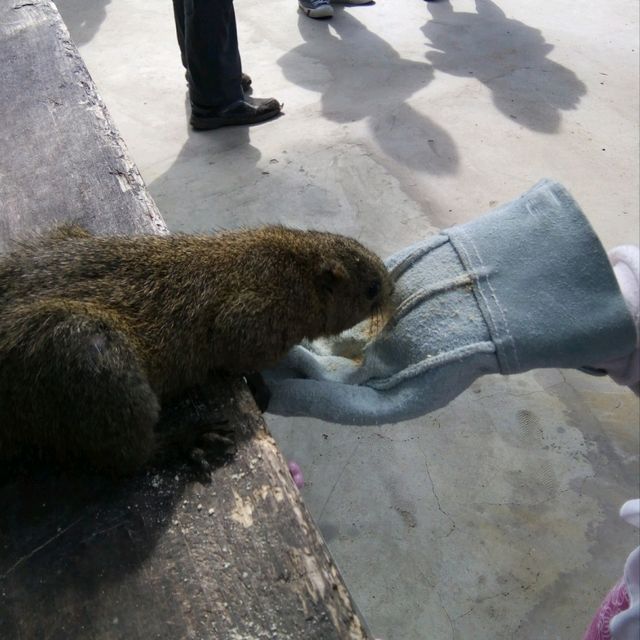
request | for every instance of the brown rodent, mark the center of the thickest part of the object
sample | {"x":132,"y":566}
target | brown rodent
{"x":98,"y":332}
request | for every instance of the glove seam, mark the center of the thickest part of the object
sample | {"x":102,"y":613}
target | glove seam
{"x":431,"y":362}
{"x":416,"y":255}
{"x":426,"y":293}
{"x":483,"y":276}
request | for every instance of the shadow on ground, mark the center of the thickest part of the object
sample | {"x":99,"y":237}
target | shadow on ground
{"x":508,"y":57}
{"x":360,"y":76}
{"x":83,"y":19}
{"x":209,"y":164}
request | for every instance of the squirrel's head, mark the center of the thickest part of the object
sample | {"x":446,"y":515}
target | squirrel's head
{"x":353,"y":283}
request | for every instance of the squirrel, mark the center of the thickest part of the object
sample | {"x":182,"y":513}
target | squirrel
{"x":98,"y":333}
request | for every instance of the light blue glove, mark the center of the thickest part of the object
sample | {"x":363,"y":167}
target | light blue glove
{"x":525,"y":286}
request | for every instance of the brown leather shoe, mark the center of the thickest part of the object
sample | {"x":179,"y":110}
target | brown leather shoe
{"x":245,"y":111}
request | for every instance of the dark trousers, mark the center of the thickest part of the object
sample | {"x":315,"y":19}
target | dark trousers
{"x":209,"y":46}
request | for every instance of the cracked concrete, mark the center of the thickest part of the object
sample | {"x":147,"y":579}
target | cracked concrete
{"x":495,"y":517}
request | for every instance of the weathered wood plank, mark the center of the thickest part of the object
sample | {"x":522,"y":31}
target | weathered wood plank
{"x":159,"y":556}
{"x":61,"y":156}
{"x":164,"y":557}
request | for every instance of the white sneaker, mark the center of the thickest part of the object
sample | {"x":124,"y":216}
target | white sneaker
{"x":316,"y":8}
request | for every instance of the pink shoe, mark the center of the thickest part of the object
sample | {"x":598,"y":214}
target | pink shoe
{"x":617,"y":600}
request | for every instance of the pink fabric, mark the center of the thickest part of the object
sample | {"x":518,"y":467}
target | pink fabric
{"x":617,"y":600}
{"x":296,"y":474}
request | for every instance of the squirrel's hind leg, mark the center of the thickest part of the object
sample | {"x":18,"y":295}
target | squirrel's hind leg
{"x":74,"y":388}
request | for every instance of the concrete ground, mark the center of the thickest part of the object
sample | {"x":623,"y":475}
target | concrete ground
{"x":495,"y":517}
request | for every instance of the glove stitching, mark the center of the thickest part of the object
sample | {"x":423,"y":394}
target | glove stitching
{"x":492,"y":321}
{"x":424,"y":294}
{"x":417,"y":254}
{"x":431,"y":362}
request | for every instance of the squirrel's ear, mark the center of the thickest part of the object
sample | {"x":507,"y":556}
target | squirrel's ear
{"x":331,"y":274}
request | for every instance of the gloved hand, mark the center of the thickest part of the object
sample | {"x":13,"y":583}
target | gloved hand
{"x":525,"y":286}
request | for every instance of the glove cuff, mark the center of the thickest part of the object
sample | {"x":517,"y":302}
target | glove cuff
{"x":544,"y":283}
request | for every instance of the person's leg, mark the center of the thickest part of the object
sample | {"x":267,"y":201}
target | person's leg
{"x":178,"y":14}
{"x":210,"y":50}
{"x":208,"y":41}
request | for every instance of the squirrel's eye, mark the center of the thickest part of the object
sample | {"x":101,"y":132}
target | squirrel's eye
{"x":373,"y":290}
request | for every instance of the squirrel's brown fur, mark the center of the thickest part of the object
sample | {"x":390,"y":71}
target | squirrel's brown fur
{"x":96,"y":332}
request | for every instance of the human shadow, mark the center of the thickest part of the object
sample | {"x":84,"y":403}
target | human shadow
{"x":508,"y":57}
{"x":361,"y":77}
{"x":208,"y":164}
{"x":82,"y":17}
